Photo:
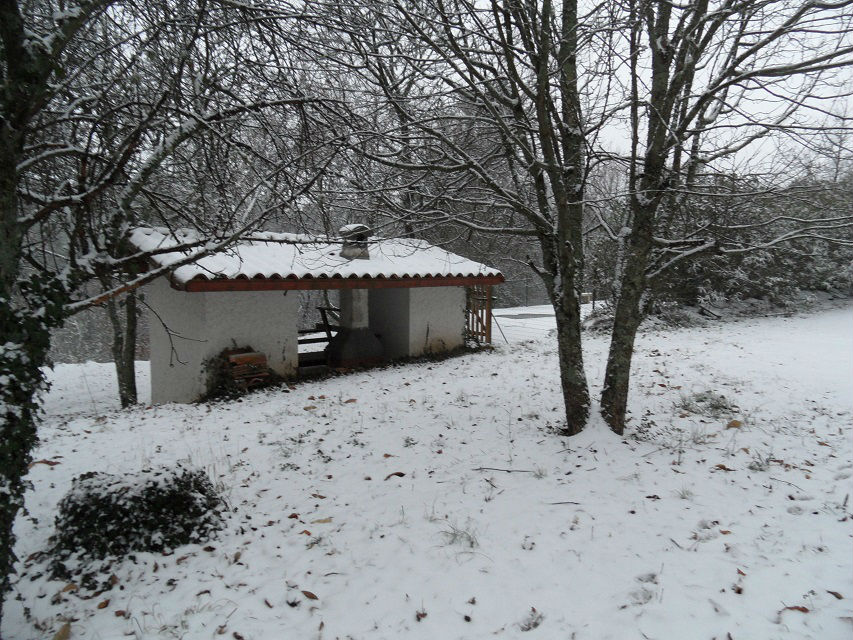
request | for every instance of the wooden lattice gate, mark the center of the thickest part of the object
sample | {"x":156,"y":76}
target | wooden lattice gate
{"x":478,"y":314}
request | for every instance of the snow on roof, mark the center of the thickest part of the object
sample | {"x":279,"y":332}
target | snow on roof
{"x":349,"y":228}
{"x":267,"y":256}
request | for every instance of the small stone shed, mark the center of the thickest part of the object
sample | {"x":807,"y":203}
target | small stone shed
{"x":398,"y":298}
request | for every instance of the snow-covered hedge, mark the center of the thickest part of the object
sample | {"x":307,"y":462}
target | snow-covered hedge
{"x":153,"y":510}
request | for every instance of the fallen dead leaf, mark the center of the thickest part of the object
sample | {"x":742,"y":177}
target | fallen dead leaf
{"x":318,"y":496}
{"x":388,"y":455}
{"x":104,"y":604}
{"x":34,"y":556}
{"x":836,"y":594}
{"x":310,"y":407}
{"x":796,"y":608}
{"x":321,"y":521}
{"x":734,"y":424}
{"x":68,"y":587}
{"x":722,"y":467}
{"x":64,"y":632}
{"x":398,"y":474}
{"x":350,"y":400}
{"x":725,"y":532}
{"x":309,"y":595}
{"x":49,"y":463}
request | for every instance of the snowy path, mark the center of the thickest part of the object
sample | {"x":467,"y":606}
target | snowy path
{"x":684,"y":529}
{"x":517,"y":324}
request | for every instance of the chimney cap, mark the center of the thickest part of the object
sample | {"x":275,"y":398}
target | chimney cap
{"x":355,"y":232}
{"x":355,"y":237}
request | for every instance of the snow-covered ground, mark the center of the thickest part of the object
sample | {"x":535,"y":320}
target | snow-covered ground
{"x":433,"y":501}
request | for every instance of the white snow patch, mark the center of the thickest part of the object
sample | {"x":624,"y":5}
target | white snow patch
{"x":439,"y":489}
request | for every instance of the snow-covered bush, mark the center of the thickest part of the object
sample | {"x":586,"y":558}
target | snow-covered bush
{"x":153,"y":510}
{"x":669,"y":314}
{"x":707,"y":403}
{"x":600,"y":319}
{"x":780,"y":276}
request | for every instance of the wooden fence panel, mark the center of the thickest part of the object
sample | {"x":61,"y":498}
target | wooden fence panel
{"x":478,"y":315}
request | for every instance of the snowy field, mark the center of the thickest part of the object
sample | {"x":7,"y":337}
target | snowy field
{"x":433,"y":501}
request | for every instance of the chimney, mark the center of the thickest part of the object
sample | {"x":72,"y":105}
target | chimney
{"x":355,"y":237}
{"x":355,"y":344}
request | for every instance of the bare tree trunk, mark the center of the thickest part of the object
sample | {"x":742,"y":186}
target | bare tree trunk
{"x":124,"y":346}
{"x":647,"y":188}
{"x":568,"y":187}
{"x":628,"y":314}
{"x":572,"y":375}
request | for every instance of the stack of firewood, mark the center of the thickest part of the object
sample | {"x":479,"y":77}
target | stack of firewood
{"x":246,"y":368}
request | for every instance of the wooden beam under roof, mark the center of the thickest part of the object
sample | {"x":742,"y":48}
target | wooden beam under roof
{"x":198,"y":285}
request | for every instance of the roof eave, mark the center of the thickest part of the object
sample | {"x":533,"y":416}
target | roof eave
{"x":198,"y":285}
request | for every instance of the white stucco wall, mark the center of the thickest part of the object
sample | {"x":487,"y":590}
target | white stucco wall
{"x":354,"y":309}
{"x":411,"y":322}
{"x":209,"y":323}
{"x":436,"y":319}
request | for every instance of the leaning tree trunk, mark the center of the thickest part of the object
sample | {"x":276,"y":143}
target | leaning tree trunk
{"x":124,"y":347}
{"x":628,"y":314}
{"x":648,"y":184}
